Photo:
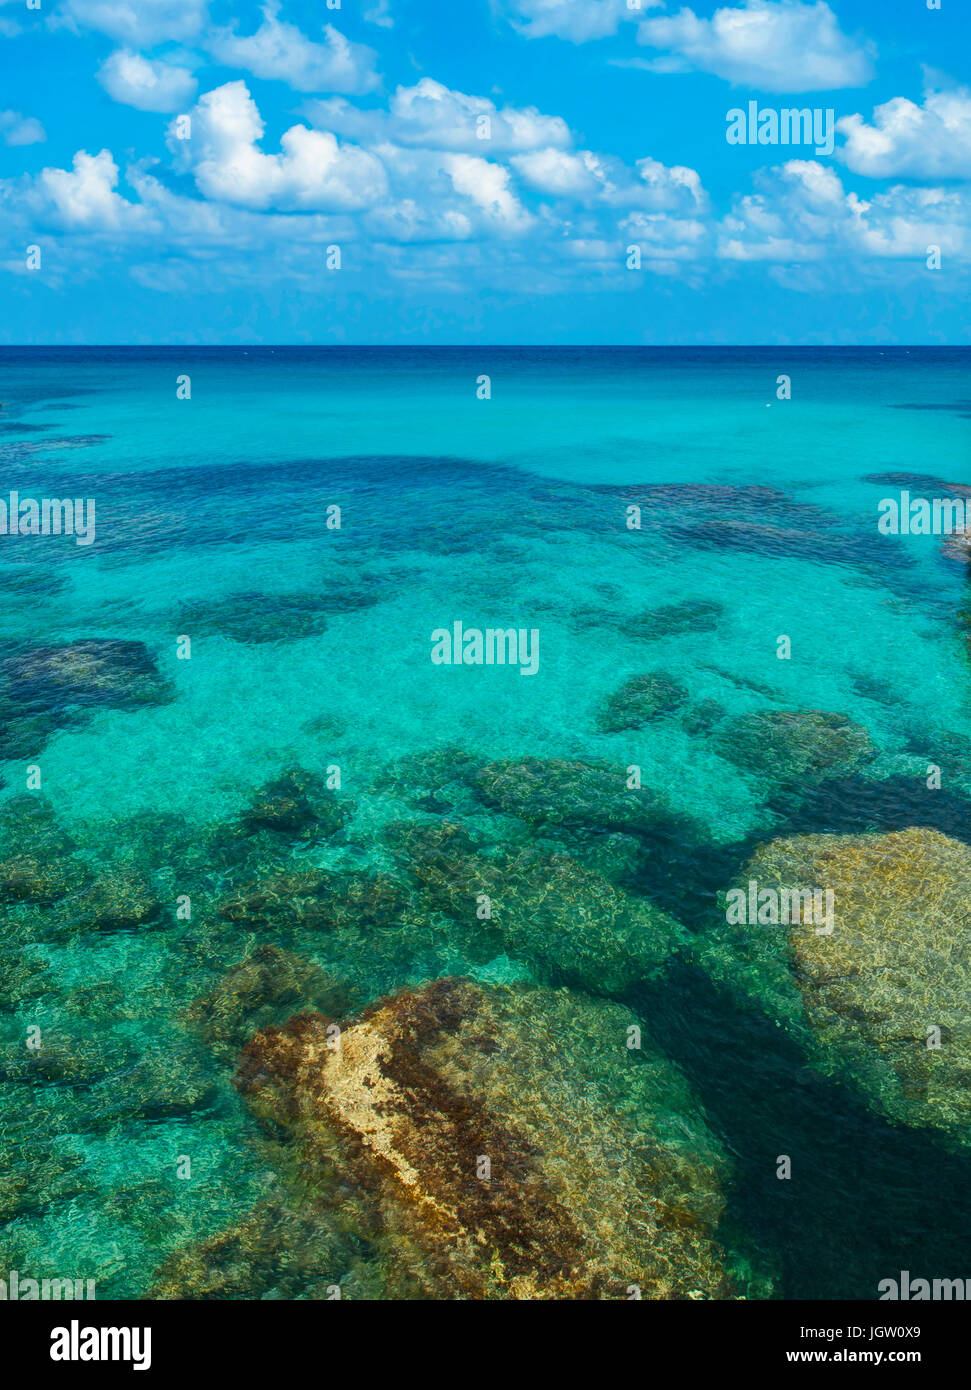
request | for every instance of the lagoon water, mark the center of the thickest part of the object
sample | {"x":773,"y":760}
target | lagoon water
{"x":310,"y":648}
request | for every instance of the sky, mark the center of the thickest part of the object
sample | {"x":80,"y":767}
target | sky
{"x":484,"y":171}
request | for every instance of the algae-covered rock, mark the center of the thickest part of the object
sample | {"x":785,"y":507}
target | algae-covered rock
{"x":572,"y":924}
{"x":438,"y":781}
{"x":36,"y":863}
{"x":35,"y":878}
{"x":788,"y":745}
{"x":120,"y":899}
{"x":22,"y":978}
{"x":274,"y":1252}
{"x":255,"y":617}
{"x":298,"y":805}
{"x":37,"y":1175}
{"x":89,"y":671}
{"x":884,"y":999}
{"x":507,"y":1142}
{"x":262,"y":989}
{"x":702,"y":717}
{"x":315,"y":899}
{"x":561,"y":791}
{"x":640,"y":700}
{"x":674,"y":619}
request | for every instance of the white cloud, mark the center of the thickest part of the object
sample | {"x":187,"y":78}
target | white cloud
{"x":671,"y":238}
{"x":588,"y":177}
{"x":138,"y":23}
{"x":911,"y":141}
{"x":16,"y":129}
{"x":312,"y":171}
{"x":561,"y":173}
{"x":576,"y":20}
{"x":775,"y":45}
{"x":488,"y":186}
{"x":82,"y":198}
{"x":431,"y":115}
{"x":380,"y":14}
{"x":282,"y":52}
{"x":146,"y":83}
{"x":803,"y":213}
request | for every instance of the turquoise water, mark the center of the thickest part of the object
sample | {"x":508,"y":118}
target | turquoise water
{"x":310,"y":648}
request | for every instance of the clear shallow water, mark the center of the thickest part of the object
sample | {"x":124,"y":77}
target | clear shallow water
{"x":310,"y":648}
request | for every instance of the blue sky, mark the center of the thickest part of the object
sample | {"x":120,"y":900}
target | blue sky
{"x":489,"y":170}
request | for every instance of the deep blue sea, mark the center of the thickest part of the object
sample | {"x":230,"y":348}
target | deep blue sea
{"x":219,"y":635}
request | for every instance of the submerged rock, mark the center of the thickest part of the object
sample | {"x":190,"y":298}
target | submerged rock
{"x":272,"y":1252}
{"x":43,"y":689}
{"x":867,"y":998}
{"x":36,"y":878}
{"x":264,"y":988}
{"x":22,"y":979}
{"x":506,"y":1143}
{"x":673,"y":619}
{"x":89,"y":671}
{"x":566,"y":920}
{"x":37,"y":864}
{"x":120,"y":899}
{"x":315,"y":899}
{"x":702,"y":717}
{"x":298,"y":805}
{"x":787,"y":745}
{"x":438,"y":781}
{"x":31,"y":1180}
{"x":257,"y":617}
{"x":641,"y":700}
{"x":560,"y":791}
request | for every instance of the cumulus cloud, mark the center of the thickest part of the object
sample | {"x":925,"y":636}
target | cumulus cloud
{"x":802,"y":212}
{"x":488,"y":186}
{"x":148,"y":84}
{"x":775,"y":45}
{"x":576,"y":20}
{"x":312,"y":171}
{"x":137,"y":23}
{"x":589,"y":177}
{"x":282,"y":52}
{"x":665,"y":238}
{"x":82,"y":198}
{"x":905,"y":140}
{"x":16,"y":129}
{"x":431,"y":115}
